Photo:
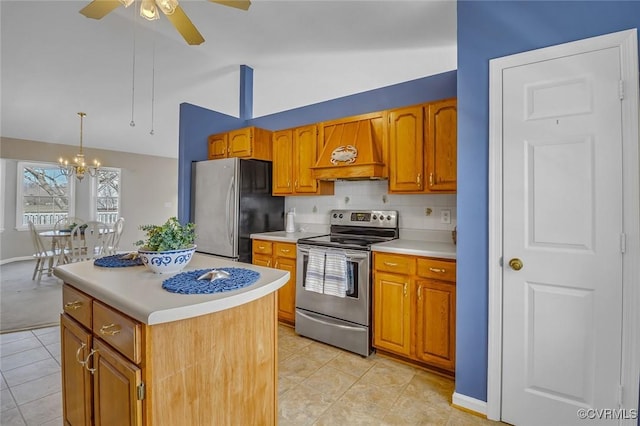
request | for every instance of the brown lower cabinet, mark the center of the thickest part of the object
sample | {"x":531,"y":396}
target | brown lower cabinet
{"x":118,"y":371}
{"x":414,"y":312}
{"x":279,"y":255}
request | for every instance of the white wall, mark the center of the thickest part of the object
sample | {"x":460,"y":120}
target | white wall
{"x":312,"y":213}
{"x":149,"y":193}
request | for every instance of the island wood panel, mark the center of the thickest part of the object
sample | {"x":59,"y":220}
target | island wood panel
{"x":215,"y":369}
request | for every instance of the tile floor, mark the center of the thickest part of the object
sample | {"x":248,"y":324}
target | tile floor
{"x":318,"y":385}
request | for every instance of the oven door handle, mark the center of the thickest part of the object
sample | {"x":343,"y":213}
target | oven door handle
{"x":351,"y":255}
{"x":319,"y":319}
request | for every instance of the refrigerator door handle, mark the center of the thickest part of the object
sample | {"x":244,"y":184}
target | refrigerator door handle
{"x":230,"y":191}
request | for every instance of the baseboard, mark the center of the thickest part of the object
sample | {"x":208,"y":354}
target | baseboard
{"x":467,"y":403}
{"x":15,"y":259}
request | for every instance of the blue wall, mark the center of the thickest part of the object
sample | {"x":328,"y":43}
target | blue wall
{"x":197,"y":123}
{"x":487,"y":30}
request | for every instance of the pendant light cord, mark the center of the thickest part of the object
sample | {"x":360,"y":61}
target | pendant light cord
{"x":133,"y":70}
{"x":153,"y":82}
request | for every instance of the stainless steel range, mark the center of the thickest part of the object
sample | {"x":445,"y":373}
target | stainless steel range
{"x":342,"y":318}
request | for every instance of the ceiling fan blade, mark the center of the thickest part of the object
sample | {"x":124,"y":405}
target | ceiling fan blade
{"x":183,"y":24}
{"x":98,"y":9}
{"x":238,"y":4}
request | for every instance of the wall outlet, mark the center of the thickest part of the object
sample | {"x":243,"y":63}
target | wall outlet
{"x":445,"y":216}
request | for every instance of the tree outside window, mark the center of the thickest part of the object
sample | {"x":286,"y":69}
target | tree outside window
{"x":44,"y":196}
{"x":107,"y":195}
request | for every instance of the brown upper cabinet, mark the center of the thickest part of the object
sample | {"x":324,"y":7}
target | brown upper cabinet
{"x":423,"y":148}
{"x":248,"y":142}
{"x":295,"y":151}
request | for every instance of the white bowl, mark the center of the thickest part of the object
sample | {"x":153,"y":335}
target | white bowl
{"x":166,"y":262}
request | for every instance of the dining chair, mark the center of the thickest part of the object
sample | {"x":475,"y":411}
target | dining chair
{"x":89,"y":241}
{"x":44,"y":258}
{"x":65,"y":223}
{"x":114,"y":243}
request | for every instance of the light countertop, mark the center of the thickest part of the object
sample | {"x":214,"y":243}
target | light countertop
{"x":138,"y":292}
{"x":285,"y":237}
{"x":417,"y":248}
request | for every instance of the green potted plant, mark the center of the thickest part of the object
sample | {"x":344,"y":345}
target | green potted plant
{"x":168,"y":247}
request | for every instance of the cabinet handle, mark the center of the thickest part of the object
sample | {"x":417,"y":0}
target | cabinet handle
{"x":269,"y":263}
{"x":261,"y":247}
{"x":285,"y":250}
{"x":276,"y":265}
{"x":110,"y":329}
{"x":405,"y":288}
{"x":296,"y":183}
{"x":431,"y":179}
{"x":72,"y":306}
{"x":419,"y":292}
{"x":390,"y":264}
{"x":438,"y":270}
{"x":86,"y":361}
{"x":81,"y":362}
{"x":419,"y":179}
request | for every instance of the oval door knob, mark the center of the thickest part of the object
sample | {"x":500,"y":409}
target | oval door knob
{"x":516,"y":264}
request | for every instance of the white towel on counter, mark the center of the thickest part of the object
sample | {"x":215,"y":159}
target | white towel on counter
{"x":335,"y":273}
{"x":314,"y":279}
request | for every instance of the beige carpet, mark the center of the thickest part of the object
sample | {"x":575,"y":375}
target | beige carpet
{"x":27,"y":304}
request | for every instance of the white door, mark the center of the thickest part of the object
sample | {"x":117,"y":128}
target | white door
{"x":562,"y":220}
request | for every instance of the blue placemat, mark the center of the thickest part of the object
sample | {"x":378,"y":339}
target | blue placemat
{"x":114,"y":261}
{"x":188,"y":283}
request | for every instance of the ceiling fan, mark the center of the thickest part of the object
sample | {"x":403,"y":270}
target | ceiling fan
{"x":98,"y":9}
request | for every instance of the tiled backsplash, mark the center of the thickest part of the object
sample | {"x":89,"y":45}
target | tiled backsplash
{"x":312,"y":213}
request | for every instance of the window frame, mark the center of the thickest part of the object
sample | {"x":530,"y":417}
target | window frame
{"x":94,"y":194}
{"x":71,"y":193}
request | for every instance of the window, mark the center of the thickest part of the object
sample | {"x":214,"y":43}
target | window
{"x":44,"y":195}
{"x":106,"y":195}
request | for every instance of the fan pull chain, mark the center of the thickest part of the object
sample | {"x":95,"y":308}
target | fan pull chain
{"x":153,"y":83}
{"x":133,"y":71}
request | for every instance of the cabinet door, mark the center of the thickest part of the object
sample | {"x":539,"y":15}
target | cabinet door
{"x":261,"y":259}
{"x":442,"y":137}
{"x":283,"y":162}
{"x":117,"y":384}
{"x":392,"y":313}
{"x":435,"y":323}
{"x":75,"y":342}
{"x":306,"y":155}
{"x":217,"y":146}
{"x":240,"y":142}
{"x":287,"y":293}
{"x":406,"y":149}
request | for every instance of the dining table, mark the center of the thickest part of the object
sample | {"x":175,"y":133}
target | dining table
{"x":60,"y":239}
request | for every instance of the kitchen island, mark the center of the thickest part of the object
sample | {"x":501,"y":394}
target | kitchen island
{"x":133,"y":353}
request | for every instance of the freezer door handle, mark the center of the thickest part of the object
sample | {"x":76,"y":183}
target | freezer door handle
{"x":230,"y":193}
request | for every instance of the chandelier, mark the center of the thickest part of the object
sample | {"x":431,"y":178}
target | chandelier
{"x":78,"y":167}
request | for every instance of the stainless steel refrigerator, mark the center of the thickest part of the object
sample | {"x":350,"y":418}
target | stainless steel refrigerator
{"x":230,"y":200}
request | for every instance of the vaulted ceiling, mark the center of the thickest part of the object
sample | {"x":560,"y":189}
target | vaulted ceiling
{"x":55,"y":62}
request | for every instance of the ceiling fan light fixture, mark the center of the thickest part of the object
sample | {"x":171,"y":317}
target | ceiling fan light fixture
{"x":167,"y":6}
{"x":149,"y":11}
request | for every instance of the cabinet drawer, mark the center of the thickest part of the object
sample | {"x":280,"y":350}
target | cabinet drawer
{"x":120,"y":331}
{"x":437,"y":269}
{"x":285,"y":250}
{"x":262,"y":247}
{"x":395,"y":263}
{"x":77,"y":305}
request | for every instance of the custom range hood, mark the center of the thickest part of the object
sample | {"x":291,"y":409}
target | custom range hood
{"x":353,"y":149}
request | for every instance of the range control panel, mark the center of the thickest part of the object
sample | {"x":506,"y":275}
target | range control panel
{"x":366,"y":218}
